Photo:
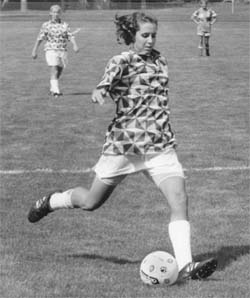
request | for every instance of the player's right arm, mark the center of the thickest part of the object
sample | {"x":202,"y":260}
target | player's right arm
{"x":98,"y":95}
{"x":41,"y":36}
{"x":111,"y":77}
{"x":35,"y":48}
{"x":195,"y":17}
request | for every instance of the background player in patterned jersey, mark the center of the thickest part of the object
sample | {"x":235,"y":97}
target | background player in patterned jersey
{"x":56,"y":34}
{"x":139,"y":139}
{"x":204,"y":17}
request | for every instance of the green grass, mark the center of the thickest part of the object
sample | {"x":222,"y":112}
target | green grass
{"x":94,"y":255}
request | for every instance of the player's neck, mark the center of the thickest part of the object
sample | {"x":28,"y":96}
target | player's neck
{"x":56,"y":21}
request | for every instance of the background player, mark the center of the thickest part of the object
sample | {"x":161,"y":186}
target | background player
{"x":204,"y":17}
{"x":56,"y":34}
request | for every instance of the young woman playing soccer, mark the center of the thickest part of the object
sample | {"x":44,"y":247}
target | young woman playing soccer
{"x":56,"y":34}
{"x":139,"y":139}
{"x":204,"y":17}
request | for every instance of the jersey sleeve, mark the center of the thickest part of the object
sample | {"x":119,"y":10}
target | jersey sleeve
{"x":43,"y":32}
{"x":113,"y":72}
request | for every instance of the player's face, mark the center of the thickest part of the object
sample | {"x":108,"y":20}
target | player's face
{"x":203,"y":4}
{"x":55,"y":14}
{"x":145,"y":38}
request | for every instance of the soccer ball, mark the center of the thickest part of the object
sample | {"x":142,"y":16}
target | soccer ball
{"x":159,"y":267}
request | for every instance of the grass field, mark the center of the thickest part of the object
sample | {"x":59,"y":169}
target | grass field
{"x":51,"y":143}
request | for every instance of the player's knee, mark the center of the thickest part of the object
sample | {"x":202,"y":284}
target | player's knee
{"x":90,"y":205}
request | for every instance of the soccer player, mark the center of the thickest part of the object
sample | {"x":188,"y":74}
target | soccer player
{"x":138,"y":139}
{"x":56,"y":34}
{"x":204,"y":17}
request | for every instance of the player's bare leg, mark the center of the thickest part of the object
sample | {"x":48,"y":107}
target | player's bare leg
{"x":173,"y":189}
{"x":201,"y":45}
{"x":207,"y":45}
{"x":94,"y":197}
{"x":59,"y":71}
{"x":55,"y":72}
{"x":79,"y":197}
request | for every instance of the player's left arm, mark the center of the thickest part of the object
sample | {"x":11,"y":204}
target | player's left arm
{"x":213,"y":17}
{"x":74,"y":43}
{"x":71,"y":38}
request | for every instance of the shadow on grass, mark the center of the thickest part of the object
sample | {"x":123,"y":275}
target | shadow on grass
{"x":226,"y":255}
{"x":79,"y":93}
{"x":114,"y":260}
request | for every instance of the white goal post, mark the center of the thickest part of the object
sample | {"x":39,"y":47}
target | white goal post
{"x":23,"y":5}
{"x":232,"y":4}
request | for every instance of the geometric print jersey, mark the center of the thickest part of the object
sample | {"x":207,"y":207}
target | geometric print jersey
{"x":140,"y":92}
{"x":204,"y":17}
{"x":56,"y":35}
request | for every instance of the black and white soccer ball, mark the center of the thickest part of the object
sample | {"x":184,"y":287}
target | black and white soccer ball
{"x":159,"y":267}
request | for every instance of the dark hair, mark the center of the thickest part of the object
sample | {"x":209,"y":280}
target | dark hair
{"x":128,"y":25}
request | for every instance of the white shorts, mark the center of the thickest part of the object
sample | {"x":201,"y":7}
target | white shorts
{"x":112,"y":169}
{"x":56,"y":58}
{"x":207,"y":34}
{"x":204,"y":29}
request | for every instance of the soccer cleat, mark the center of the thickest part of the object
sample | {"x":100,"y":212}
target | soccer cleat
{"x":198,"y":270}
{"x":55,"y":94}
{"x":40,"y":209}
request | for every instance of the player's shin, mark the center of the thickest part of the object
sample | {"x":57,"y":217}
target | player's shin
{"x":207,"y":45}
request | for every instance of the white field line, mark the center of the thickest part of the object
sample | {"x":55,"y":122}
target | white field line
{"x":88,"y":170}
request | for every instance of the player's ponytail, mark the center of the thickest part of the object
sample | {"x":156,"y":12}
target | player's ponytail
{"x":125,"y":29}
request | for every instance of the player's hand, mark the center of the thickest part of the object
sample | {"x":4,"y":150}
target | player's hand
{"x":98,"y":96}
{"x":34,"y":55}
{"x":76,"y":49}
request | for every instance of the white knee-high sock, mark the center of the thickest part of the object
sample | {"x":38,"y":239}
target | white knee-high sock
{"x":54,"y":86}
{"x":180,"y":236}
{"x":61,"y":200}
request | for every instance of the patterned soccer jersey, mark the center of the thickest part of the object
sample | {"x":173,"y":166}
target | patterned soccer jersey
{"x":140,"y":91}
{"x":56,"y":35}
{"x":204,"y":17}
